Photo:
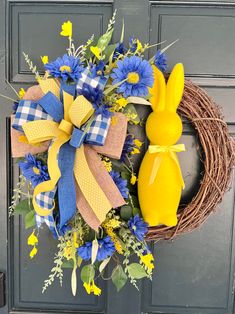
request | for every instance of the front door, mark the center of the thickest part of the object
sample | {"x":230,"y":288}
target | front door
{"x":195,"y":272}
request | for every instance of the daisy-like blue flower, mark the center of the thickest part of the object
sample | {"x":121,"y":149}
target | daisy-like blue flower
{"x":68,"y":68}
{"x":127,"y":147}
{"x":119,"y":50}
{"x":138,"y":227}
{"x":105,"y":250}
{"x":95,"y":96}
{"x":138,"y":76}
{"x":160,"y":60}
{"x":120,"y":183}
{"x":97,"y":70}
{"x":34,"y":170}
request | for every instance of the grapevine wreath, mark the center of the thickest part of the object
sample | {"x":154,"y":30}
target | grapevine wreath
{"x":72,"y":139}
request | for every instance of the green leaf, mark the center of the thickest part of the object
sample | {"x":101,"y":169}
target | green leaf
{"x":136,"y":211}
{"x":109,"y":51}
{"x":118,"y":165}
{"x":126,"y":212}
{"x":23,"y":207}
{"x":130,"y":109}
{"x":29,"y":219}
{"x":104,"y":264}
{"x":87,"y":273}
{"x":104,"y":40}
{"x":136,"y":271}
{"x":67,"y":264}
{"x":126,"y":175}
{"x":79,"y":261}
{"x":119,"y":278}
{"x":123,"y":32}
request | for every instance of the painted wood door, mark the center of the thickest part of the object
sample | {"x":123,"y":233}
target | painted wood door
{"x":194,"y":273}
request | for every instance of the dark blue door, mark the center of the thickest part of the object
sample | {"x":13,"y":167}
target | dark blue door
{"x":194,"y":273}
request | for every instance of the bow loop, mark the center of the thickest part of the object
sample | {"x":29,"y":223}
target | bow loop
{"x":166,"y":149}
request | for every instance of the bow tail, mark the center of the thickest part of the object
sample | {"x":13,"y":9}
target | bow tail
{"x":54,"y":173}
{"x":88,"y":185}
{"x":66,"y":184}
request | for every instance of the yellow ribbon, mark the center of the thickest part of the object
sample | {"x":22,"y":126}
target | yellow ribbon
{"x":76,"y":112}
{"x":166,"y":149}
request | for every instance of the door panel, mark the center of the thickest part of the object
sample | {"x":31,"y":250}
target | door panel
{"x":194,"y":273}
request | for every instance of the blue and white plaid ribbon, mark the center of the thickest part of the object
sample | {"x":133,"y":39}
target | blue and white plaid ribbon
{"x":28,"y":111}
{"x":92,"y":81}
{"x":48,"y":220}
{"x":98,"y":131}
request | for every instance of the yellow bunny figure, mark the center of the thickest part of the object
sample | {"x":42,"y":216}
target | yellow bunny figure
{"x":160,"y":180}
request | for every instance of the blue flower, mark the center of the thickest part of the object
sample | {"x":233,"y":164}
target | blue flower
{"x":127,"y":147}
{"x":97,"y":70}
{"x":119,"y":50}
{"x":66,"y":67}
{"x":160,"y":60}
{"x":138,"y":76}
{"x":120,"y":183}
{"x":106,"y":249}
{"x":95,"y":96}
{"x":103,"y":110}
{"x":33,"y":170}
{"x":138,"y":227}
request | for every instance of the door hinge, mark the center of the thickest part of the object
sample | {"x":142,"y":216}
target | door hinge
{"x":2,"y":289}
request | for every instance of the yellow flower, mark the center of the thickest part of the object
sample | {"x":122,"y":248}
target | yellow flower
{"x":120,"y":103}
{"x":133,"y":179}
{"x":113,"y":236}
{"x":96,"y":52}
{"x":91,"y":287}
{"x":138,"y":143}
{"x":33,"y":252}
{"x":67,"y":29}
{"x":139,"y":45}
{"x":68,"y":250}
{"x":21,"y":93}
{"x":107,"y":163}
{"x":75,"y":243}
{"x":87,"y":286}
{"x":135,"y":151}
{"x":113,"y":223}
{"x":44,"y":59}
{"x":32,"y":239}
{"x":147,"y":260}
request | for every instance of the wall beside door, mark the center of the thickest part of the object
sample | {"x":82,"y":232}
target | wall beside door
{"x":195,"y":272}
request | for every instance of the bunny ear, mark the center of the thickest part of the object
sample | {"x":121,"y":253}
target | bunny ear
{"x":175,"y":87}
{"x":158,"y":91}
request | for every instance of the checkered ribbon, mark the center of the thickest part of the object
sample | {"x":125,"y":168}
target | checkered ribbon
{"x":45,"y":199}
{"x":92,"y":81}
{"x":48,"y":220}
{"x":98,"y":131}
{"x":28,"y":111}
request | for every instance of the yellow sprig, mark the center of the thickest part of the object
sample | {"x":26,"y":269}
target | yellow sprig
{"x":67,"y":29}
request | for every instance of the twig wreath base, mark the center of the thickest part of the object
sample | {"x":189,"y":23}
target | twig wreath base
{"x":218,"y":160}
